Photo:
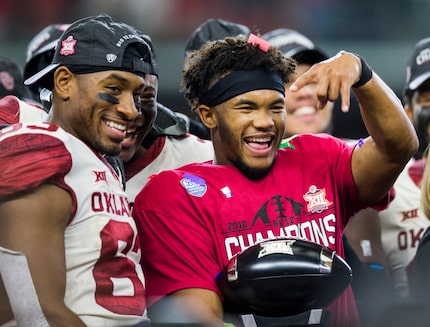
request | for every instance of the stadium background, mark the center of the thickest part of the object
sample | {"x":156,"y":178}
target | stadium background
{"x":383,"y":31}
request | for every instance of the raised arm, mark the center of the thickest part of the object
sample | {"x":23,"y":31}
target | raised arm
{"x":377,"y":161}
{"x":34,"y":223}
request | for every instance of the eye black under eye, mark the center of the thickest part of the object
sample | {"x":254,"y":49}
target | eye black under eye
{"x":108,"y":98}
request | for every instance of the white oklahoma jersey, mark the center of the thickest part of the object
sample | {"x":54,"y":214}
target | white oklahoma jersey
{"x":403,"y":224}
{"x":105,"y":282}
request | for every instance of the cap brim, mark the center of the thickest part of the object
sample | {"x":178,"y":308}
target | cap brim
{"x":319,"y":54}
{"x":41,"y":74}
{"x":415,"y":83}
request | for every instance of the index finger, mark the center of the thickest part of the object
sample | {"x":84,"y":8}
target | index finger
{"x":306,"y":78}
{"x":345,"y":93}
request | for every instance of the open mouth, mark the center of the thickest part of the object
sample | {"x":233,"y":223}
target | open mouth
{"x":260,"y":143}
{"x":130,"y":133}
{"x":117,"y":130}
{"x":130,"y":137}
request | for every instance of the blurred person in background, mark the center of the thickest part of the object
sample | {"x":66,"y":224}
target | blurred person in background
{"x":16,"y":102}
{"x":302,"y":115}
{"x":405,"y":221}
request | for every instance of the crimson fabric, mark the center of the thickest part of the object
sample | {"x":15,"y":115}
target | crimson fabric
{"x":197,"y":217}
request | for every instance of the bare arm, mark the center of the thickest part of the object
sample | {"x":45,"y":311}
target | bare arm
{"x":365,"y":227}
{"x":194,"y":305}
{"x":34,"y":223}
{"x":392,"y":141}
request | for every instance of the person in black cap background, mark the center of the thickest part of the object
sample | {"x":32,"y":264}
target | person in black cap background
{"x":16,"y":101}
{"x":11,"y":81}
{"x":213,"y":29}
{"x":405,"y":219}
{"x":301,"y":107}
{"x":302,"y":115}
{"x":210,"y":30}
{"x":61,"y":203}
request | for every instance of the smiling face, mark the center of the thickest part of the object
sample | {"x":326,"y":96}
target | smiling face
{"x":140,"y":127}
{"x":97,"y":107}
{"x":247,"y":130}
{"x":302,"y":113}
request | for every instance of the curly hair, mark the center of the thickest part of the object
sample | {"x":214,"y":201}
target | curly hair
{"x":219,"y":58}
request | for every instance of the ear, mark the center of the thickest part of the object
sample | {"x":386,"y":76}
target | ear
{"x":63,"y":78}
{"x":207,"y":116}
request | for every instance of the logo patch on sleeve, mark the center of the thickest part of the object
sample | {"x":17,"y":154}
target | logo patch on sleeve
{"x":194,"y":185}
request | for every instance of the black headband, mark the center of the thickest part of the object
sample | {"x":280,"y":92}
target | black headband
{"x":240,"y":82}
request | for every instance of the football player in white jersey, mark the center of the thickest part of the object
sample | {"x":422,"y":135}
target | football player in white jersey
{"x":61,"y":204}
{"x":403,"y":223}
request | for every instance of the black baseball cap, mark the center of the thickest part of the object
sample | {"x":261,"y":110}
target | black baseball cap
{"x":98,"y":43}
{"x":418,"y":67}
{"x":11,"y":81}
{"x":214,"y":29}
{"x":296,"y":45}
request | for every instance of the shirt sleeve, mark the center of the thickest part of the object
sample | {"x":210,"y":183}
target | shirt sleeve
{"x":29,"y":160}
{"x":176,"y":249}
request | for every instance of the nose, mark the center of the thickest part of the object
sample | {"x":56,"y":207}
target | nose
{"x":263,"y":119}
{"x":129,"y":107}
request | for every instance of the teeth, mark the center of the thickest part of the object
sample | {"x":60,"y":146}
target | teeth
{"x":305,"y":111}
{"x":131,"y":130}
{"x":258,"y":139}
{"x":116,"y":125}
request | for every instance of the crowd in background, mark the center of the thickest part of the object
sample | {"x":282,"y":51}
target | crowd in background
{"x":382,"y":31}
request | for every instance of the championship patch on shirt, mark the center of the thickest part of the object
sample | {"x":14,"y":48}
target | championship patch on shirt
{"x":316,"y":199}
{"x":194,"y":185}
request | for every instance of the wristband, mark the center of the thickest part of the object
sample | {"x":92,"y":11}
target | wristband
{"x":366,"y":73}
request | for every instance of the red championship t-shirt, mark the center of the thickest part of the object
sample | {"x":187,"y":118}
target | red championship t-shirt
{"x":192,"y":220}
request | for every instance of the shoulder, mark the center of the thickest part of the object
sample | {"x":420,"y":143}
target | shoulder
{"x":167,"y":181}
{"x":190,"y":139}
{"x":31,"y":155}
{"x":311,"y":144}
{"x":320,"y":138}
{"x":13,"y":110}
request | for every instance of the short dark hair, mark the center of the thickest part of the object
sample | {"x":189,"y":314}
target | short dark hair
{"x":218,"y":58}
